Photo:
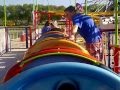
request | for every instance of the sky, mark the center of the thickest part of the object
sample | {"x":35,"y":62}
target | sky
{"x":44,"y":2}
{"x":51,"y":2}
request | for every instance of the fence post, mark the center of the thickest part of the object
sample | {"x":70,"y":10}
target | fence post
{"x":109,"y":48}
{"x":6,"y":38}
{"x":26,"y":31}
{"x":30,"y":33}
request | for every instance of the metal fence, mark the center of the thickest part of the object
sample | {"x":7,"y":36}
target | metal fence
{"x":20,"y":37}
{"x":109,"y":49}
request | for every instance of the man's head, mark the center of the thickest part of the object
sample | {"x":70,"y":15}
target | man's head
{"x":69,"y":12}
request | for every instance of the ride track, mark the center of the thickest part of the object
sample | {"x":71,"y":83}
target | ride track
{"x":56,"y":63}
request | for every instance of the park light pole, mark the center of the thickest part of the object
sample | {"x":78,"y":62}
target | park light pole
{"x":116,"y":21}
{"x":33,"y":11}
{"x":48,"y":5}
{"x":5,"y":18}
{"x":33,"y":5}
{"x":36,"y":5}
{"x":86,"y":7}
{"x":75,"y":3}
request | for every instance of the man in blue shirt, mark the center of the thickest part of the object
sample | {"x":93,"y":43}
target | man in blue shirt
{"x":86,"y":27}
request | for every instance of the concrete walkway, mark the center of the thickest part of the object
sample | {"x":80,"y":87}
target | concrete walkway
{"x":9,"y":59}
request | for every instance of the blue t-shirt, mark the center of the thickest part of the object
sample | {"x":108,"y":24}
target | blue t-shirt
{"x":45,"y":29}
{"x":87,"y":28}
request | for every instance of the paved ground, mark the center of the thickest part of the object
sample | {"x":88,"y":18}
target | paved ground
{"x":8,"y":59}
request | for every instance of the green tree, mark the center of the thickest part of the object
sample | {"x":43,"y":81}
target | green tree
{"x":28,"y":13}
{"x":1,"y":12}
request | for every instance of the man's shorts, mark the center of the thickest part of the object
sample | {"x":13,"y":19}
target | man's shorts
{"x":95,"y":49}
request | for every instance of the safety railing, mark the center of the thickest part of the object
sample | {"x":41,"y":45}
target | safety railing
{"x":111,"y":52}
{"x":18,"y":37}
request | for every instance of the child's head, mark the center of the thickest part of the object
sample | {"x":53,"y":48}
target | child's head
{"x":48,"y":23}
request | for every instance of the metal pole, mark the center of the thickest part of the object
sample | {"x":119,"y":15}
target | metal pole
{"x":34,"y":18}
{"x":33,"y":5}
{"x":75,"y":3}
{"x":33,"y":11}
{"x":26,"y":31}
{"x":6,"y":37}
{"x":36,"y":6}
{"x":116,"y":22}
{"x":30,"y":29}
{"x":86,"y":7}
{"x":109,"y":49}
{"x":5,"y":12}
{"x":70,"y":2}
{"x":116,"y":51}
{"x":48,"y":5}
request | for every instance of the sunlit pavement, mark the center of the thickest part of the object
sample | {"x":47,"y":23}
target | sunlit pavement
{"x":9,"y":59}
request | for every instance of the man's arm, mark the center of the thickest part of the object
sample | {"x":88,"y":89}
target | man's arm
{"x":75,"y":28}
{"x":74,"y":32}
